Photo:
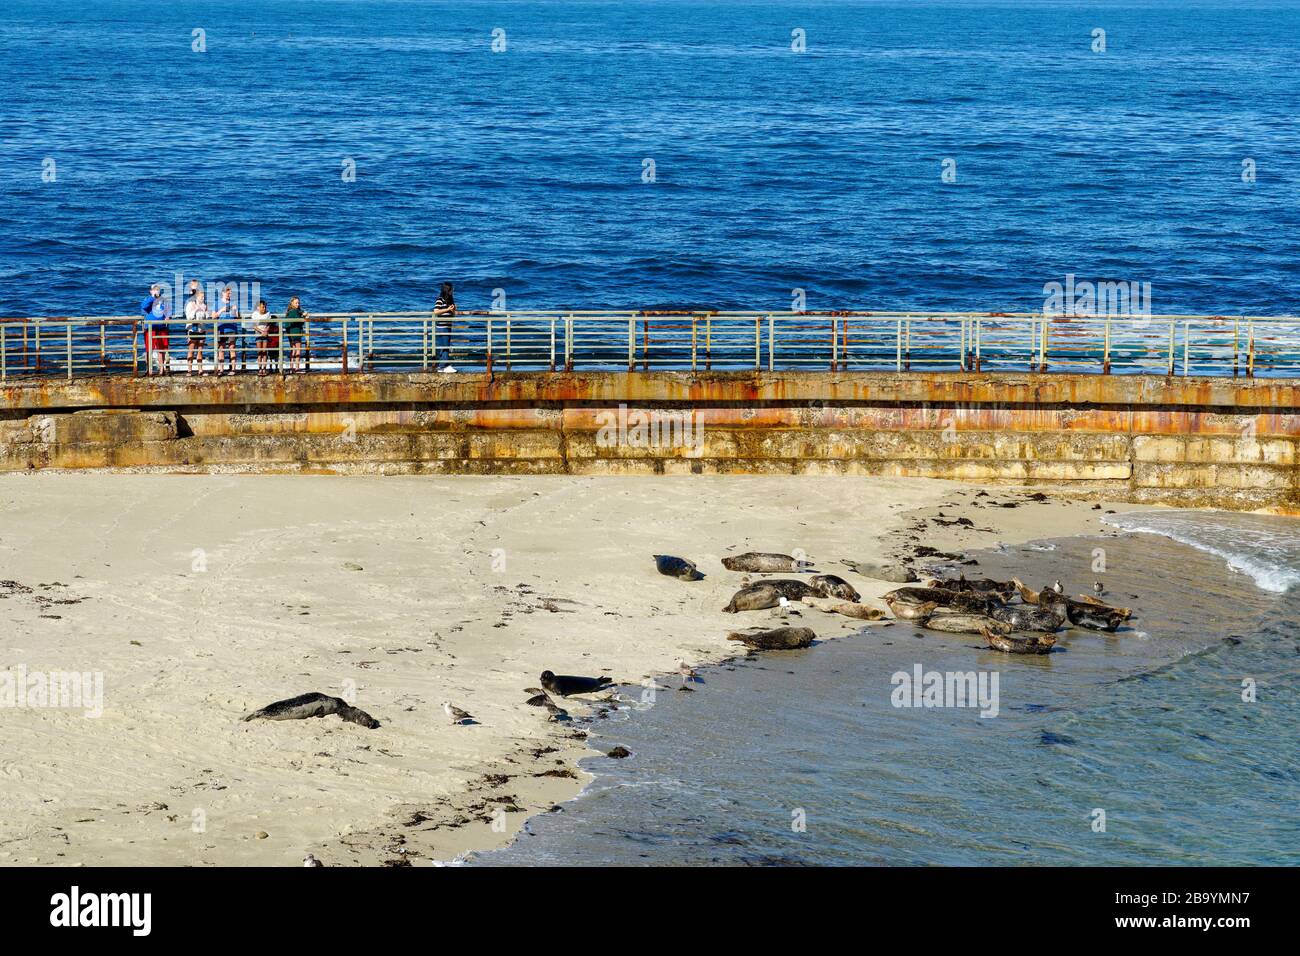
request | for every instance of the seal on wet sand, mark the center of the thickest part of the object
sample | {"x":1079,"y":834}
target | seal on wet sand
{"x":566,"y":685}
{"x":833,"y":586}
{"x":863,"y":612}
{"x":907,"y":611}
{"x":960,"y":623}
{"x":313,"y":705}
{"x":679,"y":568}
{"x":776,"y":639}
{"x":1034,"y":644}
{"x":958,"y":600}
{"x":1024,"y":617}
{"x":765,"y":594}
{"x":765,"y":562}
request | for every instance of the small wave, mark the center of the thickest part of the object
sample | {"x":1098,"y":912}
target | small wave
{"x":1265,"y":548}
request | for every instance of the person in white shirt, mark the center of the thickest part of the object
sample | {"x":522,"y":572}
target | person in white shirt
{"x":196,"y":317}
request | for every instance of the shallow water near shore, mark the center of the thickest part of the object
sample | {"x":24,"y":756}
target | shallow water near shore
{"x":1148,"y":725}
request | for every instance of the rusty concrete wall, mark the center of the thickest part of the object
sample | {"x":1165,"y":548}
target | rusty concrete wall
{"x":1227,"y":442}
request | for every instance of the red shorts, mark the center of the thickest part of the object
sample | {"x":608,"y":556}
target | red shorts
{"x":155,"y":341}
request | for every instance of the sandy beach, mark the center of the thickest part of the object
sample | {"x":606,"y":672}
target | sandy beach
{"x":202,"y":598}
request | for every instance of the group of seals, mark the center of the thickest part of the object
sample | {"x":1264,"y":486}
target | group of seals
{"x":985,"y":607}
{"x":765,"y":594}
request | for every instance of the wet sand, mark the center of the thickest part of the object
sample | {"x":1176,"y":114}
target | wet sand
{"x":203,"y":598}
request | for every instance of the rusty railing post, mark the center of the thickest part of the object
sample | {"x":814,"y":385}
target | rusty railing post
{"x":568,"y":343}
{"x":68,"y":328}
{"x":552,"y":343}
{"x":1187,"y":330}
{"x":1250,"y":349}
{"x":4,"y":357}
{"x":771,"y":342}
{"x":631,"y":343}
{"x":694,"y":318}
{"x":758,"y":348}
{"x":1169,"y":368}
{"x":1105,"y":349}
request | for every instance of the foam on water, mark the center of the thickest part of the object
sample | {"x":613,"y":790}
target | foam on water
{"x":1264,"y":547}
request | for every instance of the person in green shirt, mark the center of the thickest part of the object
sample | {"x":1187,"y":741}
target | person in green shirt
{"x":295,"y":323}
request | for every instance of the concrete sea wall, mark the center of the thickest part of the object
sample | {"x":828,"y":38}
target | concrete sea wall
{"x":1230,"y":442}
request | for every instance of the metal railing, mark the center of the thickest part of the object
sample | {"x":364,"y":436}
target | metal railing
{"x":644,"y":341}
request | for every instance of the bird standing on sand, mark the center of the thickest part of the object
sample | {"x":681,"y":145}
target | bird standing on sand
{"x":311,"y":861}
{"x":457,"y":715}
{"x":1098,"y":587}
{"x":687,"y":672}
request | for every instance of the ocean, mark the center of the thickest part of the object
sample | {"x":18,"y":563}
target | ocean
{"x":1172,"y":741}
{"x":651,"y":154}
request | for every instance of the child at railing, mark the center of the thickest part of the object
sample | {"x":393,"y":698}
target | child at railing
{"x":268,"y":336}
{"x":227,"y":316}
{"x":157,"y":312}
{"x":196,"y":315}
{"x":294,"y":325}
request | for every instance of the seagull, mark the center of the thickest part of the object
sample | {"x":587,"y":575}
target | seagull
{"x":687,"y":672}
{"x":1098,"y":587}
{"x":457,"y":715}
{"x":540,"y":698}
{"x":311,"y":861}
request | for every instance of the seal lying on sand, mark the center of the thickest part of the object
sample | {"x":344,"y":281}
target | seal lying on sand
{"x":957,"y":600}
{"x":567,"y":685}
{"x":1078,"y":613}
{"x":1003,"y":590}
{"x":313,"y":705}
{"x":907,"y":611}
{"x":764,"y":594}
{"x":1034,"y":644}
{"x":964,"y":624}
{"x":847,"y":608}
{"x":1124,"y":612}
{"x":765,"y":562}
{"x":1024,"y":617}
{"x":678,"y":568}
{"x":777,"y":639}
{"x":833,"y":586}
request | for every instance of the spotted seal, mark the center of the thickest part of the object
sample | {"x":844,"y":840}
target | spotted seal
{"x":765,"y":594}
{"x":313,"y":705}
{"x":776,"y":639}
{"x":764,"y":562}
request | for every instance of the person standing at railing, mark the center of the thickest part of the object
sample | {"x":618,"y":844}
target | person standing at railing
{"x":156,"y":312}
{"x":446,"y":307}
{"x":294,"y":326}
{"x":264,"y":327}
{"x":196,"y":317}
{"x":227,"y":316}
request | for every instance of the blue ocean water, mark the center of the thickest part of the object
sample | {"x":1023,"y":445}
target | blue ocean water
{"x":522,"y":170}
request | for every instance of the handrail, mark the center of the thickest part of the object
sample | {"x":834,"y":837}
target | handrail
{"x":686,"y":340}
